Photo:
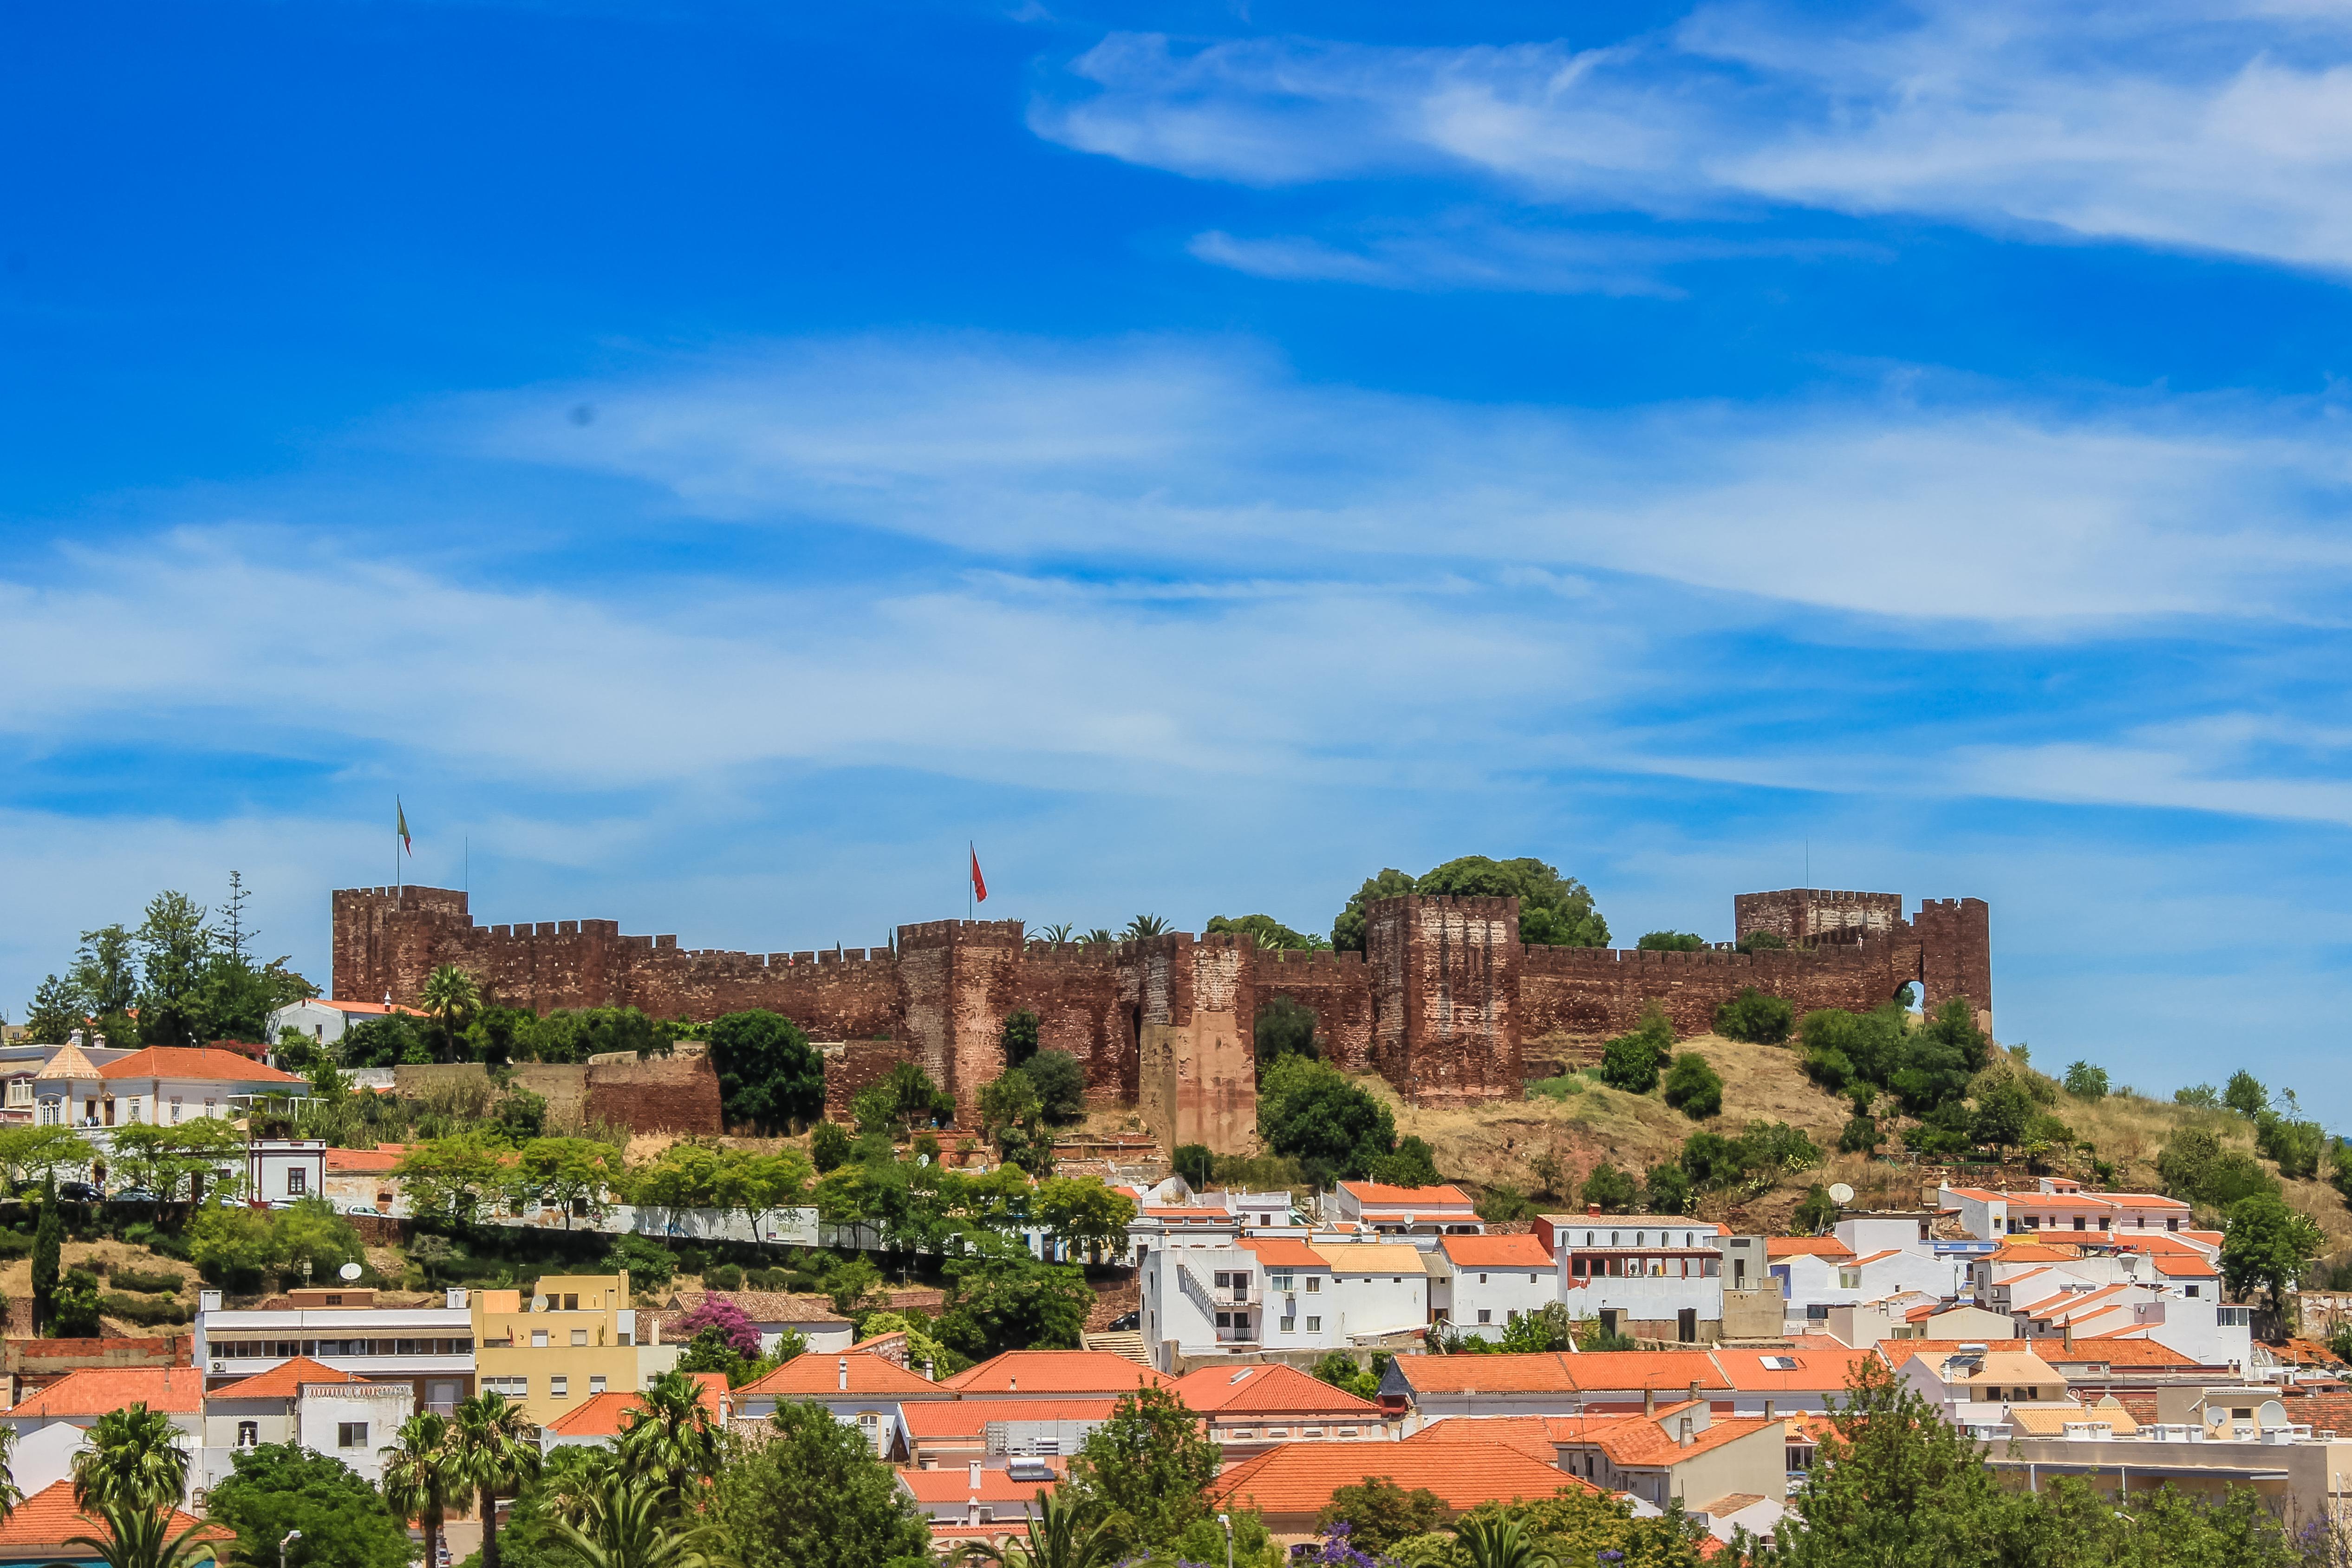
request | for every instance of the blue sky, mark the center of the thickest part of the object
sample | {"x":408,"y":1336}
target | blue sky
{"x":713,"y":463}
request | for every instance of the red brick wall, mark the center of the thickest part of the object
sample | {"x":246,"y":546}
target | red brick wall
{"x":854,"y":1065}
{"x":678,"y":1094}
{"x":1446,"y":983}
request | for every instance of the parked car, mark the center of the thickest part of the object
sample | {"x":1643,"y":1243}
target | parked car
{"x":79,"y":1192}
{"x":1131,"y":1320}
{"x":367,"y":1209}
{"x":135,"y":1195}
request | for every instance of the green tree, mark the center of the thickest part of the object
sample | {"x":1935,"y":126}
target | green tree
{"x":1412,"y":1163}
{"x":1196,"y":1165}
{"x":1061,"y":1085}
{"x":1755,"y":1016}
{"x":2295,"y":1144}
{"x":451,"y":1179}
{"x":231,"y":1247}
{"x":2245,"y":1094}
{"x":132,"y":1459}
{"x":1283,"y":1027}
{"x":1012,"y":1303}
{"x":770,"y":1079}
{"x":496,"y":1455}
{"x":1380,"y":1514}
{"x":1670,"y":942}
{"x":1266,"y":933}
{"x":1340,"y":1370}
{"x":57,"y":1010}
{"x":143,"y":1538}
{"x":1060,"y":1533}
{"x":671,"y":1443}
{"x":2267,"y":1246}
{"x":1020,"y":1037}
{"x":1010,"y":1103}
{"x":2201,"y":1096}
{"x":49,"y":1245}
{"x":175,"y":948}
{"x":1145,"y":1471}
{"x":630,"y":1525}
{"x":422,"y":1476}
{"x":105,"y":974}
{"x":309,"y":1232}
{"x":2084,"y":1081}
{"x":829,"y":1145}
{"x":1693,"y":1087}
{"x":1860,"y":1136}
{"x":1313,"y":1113}
{"x":1555,"y":911}
{"x":450,"y":995}
{"x":1815,"y":1214}
{"x":1142,"y":927}
{"x":1632,"y":1062}
{"x":1501,"y":1543}
{"x":2001,"y":1116}
{"x":1667,"y":1190}
{"x":1348,"y":927}
{"x":1084,"y":1214}
{"x":813,"y":1495}
{"x":1610,"y":1187}
{"x":1762,"y":942}
{"x":574,"y":1174}
{"x":282,"y":1486}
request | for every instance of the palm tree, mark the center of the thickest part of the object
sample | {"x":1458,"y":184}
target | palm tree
{"x":134,"y":1461}
{"x":1143,"y":925}
{"x":496,"y":1454}
{"x":625,"y":1529}
{"x":1057,"y":935}
{"x":421,"y":1477}
{"x":450,"y":993}
{"x":1059,"y":1537}
{"x":1497,"y":1543}
{"x":669,"y":1441}
{"x":1098,"y":934}
{"x":575,"y":1479}
{"x":140,"y":1537}
{"x":10,"y":1496}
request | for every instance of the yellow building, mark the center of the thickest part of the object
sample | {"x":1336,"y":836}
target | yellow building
{"x":576,"y":1336}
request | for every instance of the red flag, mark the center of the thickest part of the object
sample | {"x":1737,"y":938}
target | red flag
{"x":979,"y":883}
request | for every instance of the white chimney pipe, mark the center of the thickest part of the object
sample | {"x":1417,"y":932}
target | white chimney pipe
{"x":975,"y":1475}
{"x":845,"y":1374}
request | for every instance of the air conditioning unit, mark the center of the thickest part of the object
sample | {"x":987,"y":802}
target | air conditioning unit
{"x":220,"y":1366}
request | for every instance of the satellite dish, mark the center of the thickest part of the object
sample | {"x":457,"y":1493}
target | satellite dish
{"x":349,"y":1271}
{"x":1842,"y":1194}
{"x":923,"y":1159}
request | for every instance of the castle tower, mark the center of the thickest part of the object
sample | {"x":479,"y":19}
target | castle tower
{"x":958,"y":980}
{"x":1445,"y":996}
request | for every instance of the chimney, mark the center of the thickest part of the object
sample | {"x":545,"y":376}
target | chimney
{"x":2066,"y":1333}
{"x":1767,"y":1409}
{"x":1694,"y":1393}
{"x":1013,"y":1384}
{"x":975,"y":1475}
{"x":844,"y":1369}
{"x":1592,"y":1211}
{"x":1683,"y":1438}
{"x":930,"y":1371}
{"x":1649,"y":1402}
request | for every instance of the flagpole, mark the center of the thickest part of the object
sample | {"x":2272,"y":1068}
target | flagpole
{"x":971,"y":854}
{"x":396,"y":886}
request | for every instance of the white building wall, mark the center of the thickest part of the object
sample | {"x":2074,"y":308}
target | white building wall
{"x":1498,"y":1293}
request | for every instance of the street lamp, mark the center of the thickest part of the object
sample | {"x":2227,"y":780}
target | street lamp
{"x":1224,"y":1518}
{"x":291,"y":1536}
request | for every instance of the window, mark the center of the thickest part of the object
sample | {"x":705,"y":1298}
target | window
{"x":1780,"y":1362}
{"x":248,"y":1434}
{"x":869,"y":1427}
{"x":1482,"y":1279}
{"x":2080,"y":1223}
{"x":1533,"y":1279}
{"x":2192,"y":1290}
{"x":1314,"y":1325}
{"x":297,"y":1180}
{"x":176,"y":1107}
{"x":572,"y":1303}
{"x":1314,"y":1283}
{"x":596,"y":1385}
{"x":1485,"y":1315}
{"x":579,"y":1336}
{"x":1224,"y":1320}
{"x":135,"y":1116}
{"x":351,"y":1434}
{"x":1280,"y":1283}
{"x":558,"y":1388}
{"x":539,"y":1339}
{"x":209,"y":1107}
{"x":1290,"y":1324}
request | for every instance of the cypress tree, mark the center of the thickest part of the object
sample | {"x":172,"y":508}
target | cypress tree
{"x":49,"y":1243}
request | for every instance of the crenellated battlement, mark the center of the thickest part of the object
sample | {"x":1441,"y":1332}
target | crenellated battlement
{"x":1442,"y":1001}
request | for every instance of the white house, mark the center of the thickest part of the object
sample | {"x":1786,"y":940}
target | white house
{"x":1477,"y":1282}
{"x":1269,"y":1292}
{"x":1443,"y":1210}
{"x":861,"y":1389}
{"x":429,"y":1349}
{"x":1655,"y":1275}
{"x":325,"y":1021}
{"x":52,"y":1424}
{"x":286,"y":1170}
{"x":162,"y":1083}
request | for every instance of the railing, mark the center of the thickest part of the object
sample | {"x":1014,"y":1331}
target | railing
{"x":1197,"y":1293}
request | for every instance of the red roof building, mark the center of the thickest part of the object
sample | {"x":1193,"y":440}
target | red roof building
{"x":1290,"y":1485}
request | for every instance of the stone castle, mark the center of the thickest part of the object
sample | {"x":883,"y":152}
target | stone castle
{"x":1444,"y":1002}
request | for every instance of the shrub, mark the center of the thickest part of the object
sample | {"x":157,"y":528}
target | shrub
{"x":1196,"y":1165}
{"x":1670,"y":941}
{"x":1762,"y":942}
{"x":2084,"y":1081}
{"x":649,"y":1262}
{"x":1694,"y":1087}
{"x":1560,"y":1088}
{"x":1860,"y":1136}
{"x":829,"y":1146}
{"x":1816,"y":1214}
{"x":722,"y":1277}
{"x":1756,"y":1016}
{"x":1284,"y":1026}
{"x":2245,"y":1094}
{"x":1413,"y":1164}
{"x":2202,"y":1096}
{"x":158,"y":1283}
{"x":1612,"y":1189}
{"x":1668,"y":1191}
{"x":144,"y":1311}
{"x":1061,"y":1085}
{"x":1502,"y":1203}
{"x":1632,"y":1062}
{"x":2296,"y":1145}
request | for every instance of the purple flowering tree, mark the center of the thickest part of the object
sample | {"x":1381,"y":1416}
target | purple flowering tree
{"x":738,"y":1332}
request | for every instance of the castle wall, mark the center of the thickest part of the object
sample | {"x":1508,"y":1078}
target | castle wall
{"x":1593,"y":993}
{"x":1337,"y":986}
{"x":1073,"y":989}
{"x":1803,"y":913}
{"x":1445,"y":985}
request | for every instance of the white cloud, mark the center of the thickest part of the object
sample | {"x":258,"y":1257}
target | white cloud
{"x":1206,"y":455}
{"x":2162,"y":123}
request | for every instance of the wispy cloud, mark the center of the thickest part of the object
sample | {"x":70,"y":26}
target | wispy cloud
{"x":2165,"y":124}
{"x":1211,"y":456}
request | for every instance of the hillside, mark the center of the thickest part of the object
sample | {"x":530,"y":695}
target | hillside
{"x":1509,"y":1142}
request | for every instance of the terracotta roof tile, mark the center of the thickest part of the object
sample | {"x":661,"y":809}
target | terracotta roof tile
{"x":285,"y":1380}
{"x":196,"y":1062}
{"x":93,"y":1391}
{"x":1373,"y":1257}
{"x":1538,"y":1436}
{"x":1267,"y":1390}
{"x":815,"y":1375}
{"x":1282,"y":1252}
{"x":936,"y":1422}
{"x":1495,"y":1252}
{"x":1826,"y":1368}
{"x":1299,"y":1477}
{"x":42,"y":1524}
{"x":952,"y":1485}
{"x":1806,"y":1246}
{"x":377,"y":1161}
{"x":764,"y":1306}
{"x":1443,"y":1196}
{"x":1559,"y":1372}
{"x":1644,"y":1442}
{"x":602,"y":1416}
{"x":1055,"y":1372}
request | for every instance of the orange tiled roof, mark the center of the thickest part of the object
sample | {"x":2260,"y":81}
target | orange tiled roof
{"x":815,"y":1375}
{"x":1538,"y":1436}
{"x":1803,"y":1246}
{"x":1825,"y":1368}
{"x":377,"y":1161}
{"x":285,"y":1380}
{"x":1268,"y":1390}
{"x":954,"y":1485}
{"x":1056,"y":1372}
{"x":93,"y":1391}
{"x":1446,"y":1196}
{"x":603,"y":1416}
{"x":1561,"y":1372}
{"x":2034,"y":1252}
{"x":1282,"y":1252}
{"x":1495,"y":1252}
{"x":42,"y":1524}
{"x":1642,"y":1442}
{"x":1299,"y":1477}
{"x":196,"y":1062}
{"x":2174,"y":1265}
{"x":377,"y":1009}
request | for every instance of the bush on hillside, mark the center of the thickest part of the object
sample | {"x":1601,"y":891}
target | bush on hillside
{"x":1560,"y":1088}
{"x":2296,"y":1145}
{"x":2194,"y":1166}
{"x":1860,"y":1136}
{"x":1756,"y":1016}
{"x":1632,"y":1062}
{"x":1670,"y":941}
{"x":1313,"y":1113}
{"x":1816,"y":1214}
{"x":1609,"y":1189}
{"x":2084,"y":1081}
{"x":1694,"y":1087}
{"x":2245,"y":1094}
{"x":1668,"y":1190}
